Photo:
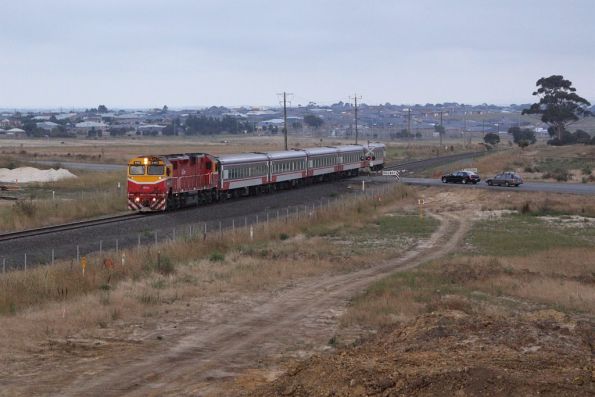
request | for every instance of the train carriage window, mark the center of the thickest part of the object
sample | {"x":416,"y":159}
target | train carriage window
{"x":136,"y":170}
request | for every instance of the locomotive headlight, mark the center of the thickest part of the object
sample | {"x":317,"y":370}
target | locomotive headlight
{"x":137,"y":199}
{"x":154,"y":199}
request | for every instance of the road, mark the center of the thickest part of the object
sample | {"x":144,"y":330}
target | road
{"x":98,"y":167}
{"x":544,"y":187}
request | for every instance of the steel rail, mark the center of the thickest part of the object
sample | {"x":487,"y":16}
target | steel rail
{"x":434,"y":160}
{"x":68,"y":226}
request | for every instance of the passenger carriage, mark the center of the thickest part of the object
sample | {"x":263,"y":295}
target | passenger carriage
{"x":322,"y":162}
{"x":350,"y":158}
{"x":288,"y":168}
{"x":243,"y":173}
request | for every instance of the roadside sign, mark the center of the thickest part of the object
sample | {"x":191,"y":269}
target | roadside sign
{"x":395,"y":173}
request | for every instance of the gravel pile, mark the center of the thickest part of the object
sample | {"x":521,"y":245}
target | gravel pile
{"x":30,"y":174}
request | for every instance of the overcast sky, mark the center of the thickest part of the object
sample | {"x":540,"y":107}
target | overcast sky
{"x":148,"y":53}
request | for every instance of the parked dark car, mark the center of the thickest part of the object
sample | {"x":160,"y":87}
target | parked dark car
{"x":505,"y":179}
{"x":461,"y":177}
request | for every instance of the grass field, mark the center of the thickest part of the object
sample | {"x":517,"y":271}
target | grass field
{"x":541,"y":260}
{"x":91,"y":194}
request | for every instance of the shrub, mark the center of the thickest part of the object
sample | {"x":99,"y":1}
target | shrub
{"x":165,"y":266}
{"x":557,"y":174}
{"x":216,"y":256}
{"x":283,"y":236}
{"x":26,"y":208}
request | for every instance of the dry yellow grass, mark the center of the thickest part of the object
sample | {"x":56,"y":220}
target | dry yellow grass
{"x":23,"y":289}
{"x":90,"y":195}
{"x":37,"y":307}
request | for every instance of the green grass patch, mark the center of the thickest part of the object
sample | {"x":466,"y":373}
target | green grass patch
{"x":411,"y":225}
{"x":525,"y":234}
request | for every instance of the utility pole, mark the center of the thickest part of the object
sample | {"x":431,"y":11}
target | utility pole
{"x":441,"y":129}
{"x":409,"y":120}
{"x":355,"y":97}
{"x":285,"y":117}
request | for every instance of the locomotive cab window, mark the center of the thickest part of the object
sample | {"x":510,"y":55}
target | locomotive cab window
{"x":136,"y":170}
{"x":155,"y":169}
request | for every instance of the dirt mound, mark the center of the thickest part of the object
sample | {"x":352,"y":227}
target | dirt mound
{"x":454,"y":354}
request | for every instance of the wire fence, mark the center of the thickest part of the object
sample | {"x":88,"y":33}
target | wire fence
{"x":97,"y":250}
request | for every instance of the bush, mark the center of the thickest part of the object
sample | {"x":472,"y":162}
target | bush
{"x":283,"y":236}
{"x":26,"y":208}
{"x":165,"y":266}
{"x":557,"y":174}
{"x":216,"y":256}
{"x":491,"y":138}
{"x":529,"y":168}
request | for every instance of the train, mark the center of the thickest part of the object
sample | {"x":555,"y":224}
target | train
{"x":168,"y":182}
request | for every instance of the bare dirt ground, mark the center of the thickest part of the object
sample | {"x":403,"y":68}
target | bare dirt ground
{"x":224,"y":346}
{"x":451,"y":353}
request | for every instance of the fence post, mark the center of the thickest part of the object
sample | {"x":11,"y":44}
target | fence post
{"x":53,"y":257}
{"x":233,"y":226}
{"x":256,"y":220}
{"x":204,"y":236}
{"x":3,"y":265}
{"x":138,"y":237}
{"x":25,"y":261}
{"x":117,"y":246}
{"x":100,"y":247}
{"x":245,"y":221}
{"x":220,"y":230}
{"x":78,"y":257}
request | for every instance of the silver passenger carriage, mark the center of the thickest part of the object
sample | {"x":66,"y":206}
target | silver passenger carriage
{"x":322,"y":161}
{"x":243,"y":172}
{"x":288,"y":166}
{"x":351,"y":158}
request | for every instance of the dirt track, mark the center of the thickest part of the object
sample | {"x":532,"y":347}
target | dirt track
{"x":201,"y":353}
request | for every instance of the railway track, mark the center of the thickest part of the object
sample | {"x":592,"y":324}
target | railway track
{"x":417,"y":165}
{"x":68,"y":226}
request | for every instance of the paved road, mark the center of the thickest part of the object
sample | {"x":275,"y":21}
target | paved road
{"x":546,"y":187}
{"x":82,"y":166}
